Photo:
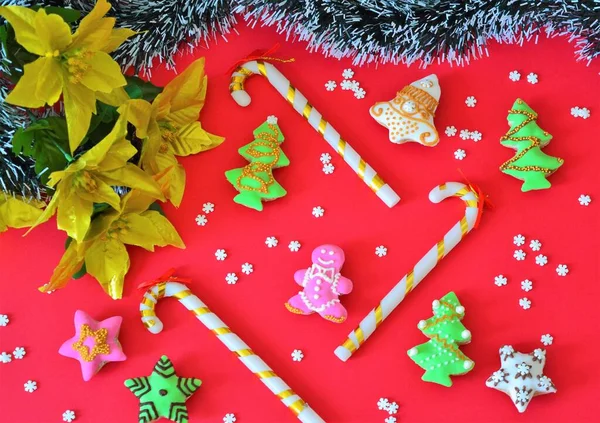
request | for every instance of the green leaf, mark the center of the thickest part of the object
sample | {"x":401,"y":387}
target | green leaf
{"x":22,"y":142}
{"x":157,"y":207}
{"x":138,"y":88}
{"x":58,"y":125}
{"x":68,"y":15}
{"x":81,"y":272}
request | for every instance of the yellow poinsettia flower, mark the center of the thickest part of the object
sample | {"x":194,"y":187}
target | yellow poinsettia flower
{"x":76,"y":65}
{"x":90,"y":179}
{"x":169,"y":127}
{"x":17,"y":212}
{"x":103,"y":250}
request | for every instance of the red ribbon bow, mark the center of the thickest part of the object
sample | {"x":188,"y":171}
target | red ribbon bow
{"x":263,"y":55}
{"x":166,"y":277}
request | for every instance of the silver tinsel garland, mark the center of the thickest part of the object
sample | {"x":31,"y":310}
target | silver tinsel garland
{"x":368,"y":31}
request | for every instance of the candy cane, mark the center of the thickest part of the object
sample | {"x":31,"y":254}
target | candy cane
{"x":227,"y":337}
{"x":314,"y":118}
{"x":410,"y":281}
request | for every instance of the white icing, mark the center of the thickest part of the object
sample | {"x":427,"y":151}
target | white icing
{"x":468,"y":364}
{"x":317,"y":288}
{"x":466,"y":334}
{"x":412,"y":351}
{"x":312,"y":307}
{"x":316,"y":297}
{"x":422,"y":324}
{"x":460,"y":309}
{"x":435,"y":303}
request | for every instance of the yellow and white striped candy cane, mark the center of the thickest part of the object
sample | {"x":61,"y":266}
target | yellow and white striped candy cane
{"x":371,"y":322}
{"x":314,"y":118}
{"x":252,"y":361}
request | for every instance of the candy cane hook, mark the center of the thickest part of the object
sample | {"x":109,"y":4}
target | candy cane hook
{"x":252,"y":361}
{"x":314,"y":118}
{"x":371,"y":322}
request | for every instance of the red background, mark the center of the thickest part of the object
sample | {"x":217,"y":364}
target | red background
{"x":358,"y":221}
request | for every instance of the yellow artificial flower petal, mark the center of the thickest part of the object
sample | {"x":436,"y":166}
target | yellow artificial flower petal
{"x":104,"y":74}
{"x":132,"y":176}
{"x":136,"y":202}
{"x":107,"y":260}
{"x":80,"y":103}
{"x":94,"y":30}
{"x":74,"y":215}
{"x":165,"y":229}
{"x":48,"y":211}
{"x":101,"y":225}
{"x":24,"y":92}
{"x":117,"y":37}
{"x":140,"y":231}
{"x":16,"y":212}
{"x":69,"y":264}
{"x":22,"y":19}
{"x":173,"y":179}
{"x":115,"y":98}
{"x":54,"y":34}
{"x":95,"y":155}
{"x":192,"y":139}
{"x":103,"y":193}
{"x":119,"y":153}
{"x":139,"y":114}
{"x":49,"y":85}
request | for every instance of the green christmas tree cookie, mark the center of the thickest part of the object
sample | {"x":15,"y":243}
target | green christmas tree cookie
{"x":440,"y":357}
{"x":529,"y":164}
{"x":255,"y":181}
{"x":163,"y":393}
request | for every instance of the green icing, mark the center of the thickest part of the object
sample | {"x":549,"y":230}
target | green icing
{"x":163,"y":393}
{"x":440,"y":357}
{"x":255,"y":181}
{"x":529,"y":164}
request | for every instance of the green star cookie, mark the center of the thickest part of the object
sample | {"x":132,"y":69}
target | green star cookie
{"x":163,"y":393}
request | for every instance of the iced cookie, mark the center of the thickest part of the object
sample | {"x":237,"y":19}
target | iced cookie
{"x":521,"y":376}
{"x":94,"y":344}
{"x":322,"y":285}
{"x":440,"y":357}
{"x":409,"y":116}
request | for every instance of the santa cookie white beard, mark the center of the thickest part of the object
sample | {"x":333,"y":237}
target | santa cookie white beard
{"x":409,"y":116}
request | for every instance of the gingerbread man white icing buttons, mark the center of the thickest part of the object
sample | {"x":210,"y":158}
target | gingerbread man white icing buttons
{"x":521,"y":376}
{"x":409,"y":116}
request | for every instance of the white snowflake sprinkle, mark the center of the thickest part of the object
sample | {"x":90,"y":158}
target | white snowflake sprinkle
{"x":229,"y":418}
{"x":208,"y":208}
{"x":518,"y":240}
{"x":220,"y":254}
{"x":532,"y":78}
{"x":360,"y":93}
{"x":330,"y":85}
{"x":247,"y":268}
{"x":471,"y":101}
{"x":500,"y":280}
{"x":383,"y":403}
{"x":30,"y":386}
{"x":325,"y":158}
{"x":525,"y":303}
{"x":318,"y":211}
{"x":575,"y":111}
{"x":4,"y":320}
{"x":347,"y":73}
{"x":460,"y":154}
{"x":68,"y":416}
{"x":346,"y":85}
{"x":392,"y":408}
{"x":584,"y":113}
{"x":328,"y":168}
{"x":476,"y":136}
{"x":231,"y":278}
{"x":272,"y":119}
{"x":5,"y":357}
{"x":541,"y":260}
{"x":19,"y":353}
{"x":451,"y":131}
{"x":390,"y":419}
{"x":297,"y":355}
{"x":519,"y":255}
{"x":465,"y":134}
{"x":562,"y":270}
{"x":271,"y":241}
{"x":294,"y":246}
{"x":535,"y":245}
{"x":547,"y":339}
{"x":201,"y":220}
{"x":514,"y":76}
{"x":380,"y":251}
{"x":526,"y":285}
{"x":584,"y":200}
{"x":354,"y":85}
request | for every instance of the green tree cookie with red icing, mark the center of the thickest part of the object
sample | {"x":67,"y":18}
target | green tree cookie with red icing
{"x":529,"y":164}
{"x":440,"y":357}
{"x":255,"y":181}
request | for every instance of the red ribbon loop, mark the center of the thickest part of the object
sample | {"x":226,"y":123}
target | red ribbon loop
{"x":264,"y":55}
{"x":166,"y":277}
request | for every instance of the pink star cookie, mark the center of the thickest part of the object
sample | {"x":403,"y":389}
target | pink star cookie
{"x":94,"y":344}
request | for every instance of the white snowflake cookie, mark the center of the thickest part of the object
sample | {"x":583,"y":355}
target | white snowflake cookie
{"x":518,"y":240}
{"x":328,"y":168}
{"x":208,"y":208}
{"x":346,"y":85}
{"x":201,"y":220}
{"x":500,"y":280}
{"x":271,"y":242}
{"x":381,"y":251}
{"x":383,"y":403}
{"x":585,"y":200}
{"x":231,"y":278}
{"x":68,"y":416}
{"x":514,"y":76}
{"x":5,"y":357}
{"x":247,"y":268}
{"x":325,"y":158}
{"x":541,"y":260}
{"x":347,"y":73}
{"x":471,"y":101}
{"x":4,"y":320}
{"x":465,"y":134}
{"x":392,"y":408}
{"x":220,"y":254}
{"x":525,"y":303}
{"x":19,"y":353}
{"x":460,"y":154}
{"x":450,"y":131}
{"x":526,"y":285}
{"x":229,"y":418}
{"x":30,"y":386}
{"x":318,"y":211}
{"x":272,"y":119}
{"x":390,"y":419}
{"x":297,"y":355}
{"x":547,"y":339}
{"x":330,"y":85}
{"x":294,"y":246}
{"x":535,"y":245}
{"x":360,"y":93}
{"x":532,"y":78}
{"x":519,"y":255}
{"x":562,"y":270}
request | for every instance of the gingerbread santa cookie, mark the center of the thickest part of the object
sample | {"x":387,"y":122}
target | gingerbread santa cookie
{"x":409,"y":116}
{"x":322,"y":285}
{"x":521,"y":376}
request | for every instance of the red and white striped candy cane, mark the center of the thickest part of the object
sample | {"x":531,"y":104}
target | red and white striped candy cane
{"x":371,"y":322}
{"x":252,"y":361}
{"x":294,"y":97}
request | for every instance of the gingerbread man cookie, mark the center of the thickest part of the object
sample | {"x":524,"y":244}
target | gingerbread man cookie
{"x":322,"y":285}
{"x":521,"y":376}
{"x":409,"y":116}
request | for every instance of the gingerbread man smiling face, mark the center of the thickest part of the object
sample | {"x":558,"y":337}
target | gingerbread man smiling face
{"x":409,"y":116}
